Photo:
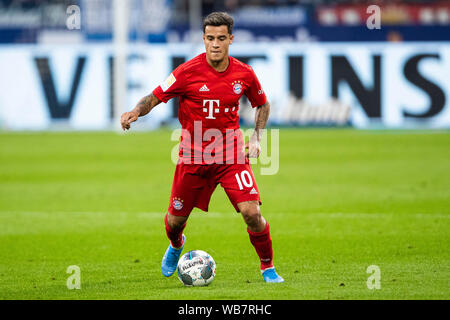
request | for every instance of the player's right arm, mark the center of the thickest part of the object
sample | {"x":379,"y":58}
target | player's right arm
{"x":144,"y":106}
{"x":173,"y":86}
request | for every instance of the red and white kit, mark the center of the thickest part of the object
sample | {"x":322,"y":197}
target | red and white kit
{"x":211,"y":146}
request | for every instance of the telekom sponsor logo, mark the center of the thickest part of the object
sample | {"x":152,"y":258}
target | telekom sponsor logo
{"x":214,"y":146}
{"x":211,"y":108}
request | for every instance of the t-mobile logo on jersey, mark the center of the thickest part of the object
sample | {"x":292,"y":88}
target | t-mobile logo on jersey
{"x":211,"y":110}
{"x":213,"y":107}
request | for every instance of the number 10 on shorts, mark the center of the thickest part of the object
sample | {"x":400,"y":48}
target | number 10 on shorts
{"x":245,"y":178}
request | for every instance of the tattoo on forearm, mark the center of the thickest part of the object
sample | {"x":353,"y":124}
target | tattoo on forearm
{"x":146,"y":104}
{"x":261,"y":117}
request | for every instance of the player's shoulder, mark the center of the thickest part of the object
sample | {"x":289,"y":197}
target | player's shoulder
{"x":241,"y":65}
{"x":192,"y":65}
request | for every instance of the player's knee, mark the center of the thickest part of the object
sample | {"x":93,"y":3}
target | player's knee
{"x":251,"y":214}
{"x":176,"y":222}
{"x":252,"y":220}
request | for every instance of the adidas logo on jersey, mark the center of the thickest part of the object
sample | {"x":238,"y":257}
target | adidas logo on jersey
{"x":204,"y":88}
{"x":253,"y":191}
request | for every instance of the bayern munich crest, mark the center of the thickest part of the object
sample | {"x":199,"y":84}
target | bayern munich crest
{"x":237,"y":87}
{"x":177,"y":203}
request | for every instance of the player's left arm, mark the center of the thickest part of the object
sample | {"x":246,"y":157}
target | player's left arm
{"x":261,"y":117}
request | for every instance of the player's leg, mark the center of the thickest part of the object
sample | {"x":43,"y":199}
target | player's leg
{"x":240,"y":185}
{"x":259,"y":233}
{"x":189,"y":189}
{"x":174,"y":226}
{"x":180,"y":207}
{"x":174,"y":229}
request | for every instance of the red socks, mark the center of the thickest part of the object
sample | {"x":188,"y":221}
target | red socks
{"x":175,"y":236}
{"x":260,"y":240}
{"x":263,"y":246}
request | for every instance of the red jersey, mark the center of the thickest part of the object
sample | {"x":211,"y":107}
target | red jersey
{"x":208,"y":109}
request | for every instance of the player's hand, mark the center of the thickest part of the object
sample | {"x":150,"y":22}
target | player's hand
{"x":127,"y":118}
{"x":253,"y":147}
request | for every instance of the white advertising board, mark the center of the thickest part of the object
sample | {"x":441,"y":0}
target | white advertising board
{"x":390,"y":85}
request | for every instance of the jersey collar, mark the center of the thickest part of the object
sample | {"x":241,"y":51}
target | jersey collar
{"x":220,"y":74}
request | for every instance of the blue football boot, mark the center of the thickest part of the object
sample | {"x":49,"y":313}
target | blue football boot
{"x":170,"y":260}
{"x":270,"y":275}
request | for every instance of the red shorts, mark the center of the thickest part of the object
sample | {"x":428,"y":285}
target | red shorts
{"x":193,"y":185}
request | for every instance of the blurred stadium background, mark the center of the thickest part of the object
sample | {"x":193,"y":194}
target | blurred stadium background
{"x":318,"y":60}
{"x":367,"y":183}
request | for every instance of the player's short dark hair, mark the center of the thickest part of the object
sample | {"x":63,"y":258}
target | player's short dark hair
{"x":219,"y":19}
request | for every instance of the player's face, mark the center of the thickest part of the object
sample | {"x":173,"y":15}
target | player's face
{"x":217,"y":40}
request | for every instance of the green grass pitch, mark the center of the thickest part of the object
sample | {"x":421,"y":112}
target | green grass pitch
{"x":342,"y":200}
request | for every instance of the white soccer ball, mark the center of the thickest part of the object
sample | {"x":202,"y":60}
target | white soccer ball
{"x":196,"y":268}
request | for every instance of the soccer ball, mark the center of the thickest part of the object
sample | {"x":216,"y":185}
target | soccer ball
{"x":196,"y":268}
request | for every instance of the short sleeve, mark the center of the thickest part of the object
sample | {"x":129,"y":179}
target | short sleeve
{"x":171,"y":87}
{"x":255,"y":92}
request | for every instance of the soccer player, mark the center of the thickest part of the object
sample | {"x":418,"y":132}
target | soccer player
{"x":211,"y":147}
